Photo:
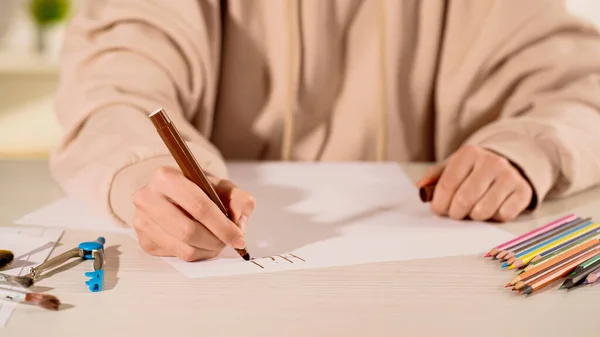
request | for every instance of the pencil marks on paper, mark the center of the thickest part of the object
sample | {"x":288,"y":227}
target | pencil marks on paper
{"x":275,"y":259}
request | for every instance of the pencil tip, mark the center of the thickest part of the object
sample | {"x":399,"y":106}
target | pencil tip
{"x":246,"y":257}
{"x":568,"y":284}
{"x":512,"y":266}
{"x":505,"y":265}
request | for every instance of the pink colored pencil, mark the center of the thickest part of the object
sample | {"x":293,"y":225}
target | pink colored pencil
{"x":531,"y":234}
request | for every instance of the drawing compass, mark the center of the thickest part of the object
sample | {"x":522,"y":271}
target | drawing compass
{"x":93,"y":250}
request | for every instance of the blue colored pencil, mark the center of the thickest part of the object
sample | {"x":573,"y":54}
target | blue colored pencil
{"x":542,"y":244}
{"x":587,"y":235}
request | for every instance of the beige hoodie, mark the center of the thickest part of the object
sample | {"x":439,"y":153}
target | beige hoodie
{"x":326,"y":80}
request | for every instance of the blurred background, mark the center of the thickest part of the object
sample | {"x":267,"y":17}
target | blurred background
{"x":31,"y":34}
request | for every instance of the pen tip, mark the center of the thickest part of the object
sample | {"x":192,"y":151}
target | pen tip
{"x":244,"y":254}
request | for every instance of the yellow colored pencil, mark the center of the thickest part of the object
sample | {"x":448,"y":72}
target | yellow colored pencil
{"x":525,"y":259}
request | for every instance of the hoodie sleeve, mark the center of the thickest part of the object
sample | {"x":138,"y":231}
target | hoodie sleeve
{"x":532,"y":69}
{"x":121,"y":61}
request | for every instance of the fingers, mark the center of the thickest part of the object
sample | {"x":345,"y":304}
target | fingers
{"x":456,"y":171}
{"x":241,"y":203}
{"x":151,"y":247}
{"x":148,"y":245}
{"x":494,"y":197}
{"x":481,"y":185}
{"x":514,"y":205}
{"x":154,"y":240}
{"x":174,"y":222}
{"x":431,"y":176}
{"x":486,"y":170}
{"x":193,"y":200}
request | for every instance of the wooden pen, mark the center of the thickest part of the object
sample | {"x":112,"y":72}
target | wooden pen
{"x":187,"y":162}
{"x":426,"y":192}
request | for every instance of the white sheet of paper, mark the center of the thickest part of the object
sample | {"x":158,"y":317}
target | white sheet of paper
{"x":313,"y":215}
{"x":66,"y":213}
{"x":31,"y":246}
{"x":20,"y":245}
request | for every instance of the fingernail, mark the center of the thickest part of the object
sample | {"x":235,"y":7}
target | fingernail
{"x":238,"y":242}
{"x":243,"y":223}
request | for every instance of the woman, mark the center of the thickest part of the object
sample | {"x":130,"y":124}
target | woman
{"x":505,"y":93}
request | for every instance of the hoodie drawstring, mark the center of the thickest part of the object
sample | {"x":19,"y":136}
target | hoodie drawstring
{"x":382,"y":129}
{"x":288,"y":122}
{"x":293,"y":50}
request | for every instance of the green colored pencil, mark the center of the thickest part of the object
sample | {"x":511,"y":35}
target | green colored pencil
{"x":586,"y":264}
{"x":580,"y":275}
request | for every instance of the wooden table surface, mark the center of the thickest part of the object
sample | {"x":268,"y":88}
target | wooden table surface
{"x":144,"y":296}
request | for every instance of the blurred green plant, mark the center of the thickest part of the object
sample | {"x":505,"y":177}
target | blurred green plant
{"x":46,"y":13}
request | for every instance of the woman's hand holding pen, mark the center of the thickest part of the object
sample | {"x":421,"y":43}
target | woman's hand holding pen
{"x":174,"y":217}
{"x":478,"y":184}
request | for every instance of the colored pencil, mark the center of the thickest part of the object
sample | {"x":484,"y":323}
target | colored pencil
{"x":550,"y":240}
{"x":576,"y":239}
{"x":587,"y":263}
{"x":592,"y":277}
{"x":531,"y":234}
{"x":578,"y":276}
{"x":536,"y":240}
{"x":536,"y":262}
{"x":526,"y":258}
{"x":541,"y":274}
{"x":555,"y":266}
{"x":572,"y":254}
{"x":501,"y":254}
{"x":555,"y":275}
